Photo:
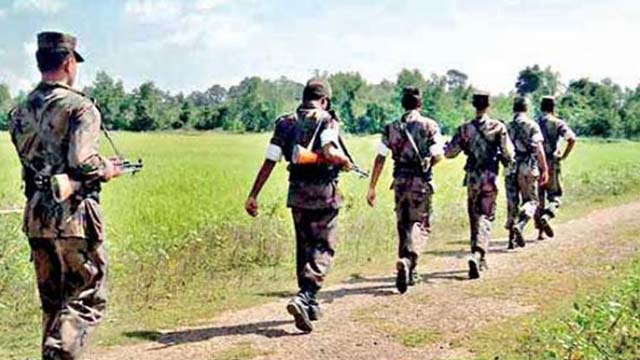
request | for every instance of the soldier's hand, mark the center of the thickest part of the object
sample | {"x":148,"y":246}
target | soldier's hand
{"x":347,"y":166}
{"x":371,"y":197}
{"x":251,"y":206}
{"x":558,"y":155}
{"x":113,"y":168}
{"x":544,"y":177}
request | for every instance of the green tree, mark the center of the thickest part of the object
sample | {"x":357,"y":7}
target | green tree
{"x":347,"y":89}
{"x":5,"y":105}
{"x":110,"y":96}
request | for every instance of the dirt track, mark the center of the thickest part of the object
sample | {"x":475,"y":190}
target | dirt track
{"x":363,"y":317}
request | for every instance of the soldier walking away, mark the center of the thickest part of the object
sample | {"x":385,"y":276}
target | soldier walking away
{"x":529,"y":169}
{"x":309,"y":140}
{"x":56,"y":131}
{"x":486,"y":144}
{"x":553,"y":129}
{"x":416,"y":145}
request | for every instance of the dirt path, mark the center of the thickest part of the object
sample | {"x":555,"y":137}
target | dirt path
{"x":366,"y":319}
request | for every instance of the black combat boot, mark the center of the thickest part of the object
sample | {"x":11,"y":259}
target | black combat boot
{"x":474,"y":265}
{"x":414,"y":278}
{"x":545,"y":227}
{"x":511,"y":245}
{"x":402,"y":278}
{"x":517,"y":234}
{"x":315,"y":313}
{"x":298,"y":307}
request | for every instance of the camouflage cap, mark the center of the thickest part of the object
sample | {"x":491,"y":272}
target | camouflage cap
{"x":317,"y":88}
{"x":480,"y":99}
{"x":411,"y":97}
{"x":520,"y":103}
{"x":52,"y":41}
{"x":548,"y":99}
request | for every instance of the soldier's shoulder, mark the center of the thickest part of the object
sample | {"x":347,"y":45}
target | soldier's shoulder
{"x":429,"y":122}
{"x":494,"y":124}
{"x":73,"y":97}
{"x":286,"y":118}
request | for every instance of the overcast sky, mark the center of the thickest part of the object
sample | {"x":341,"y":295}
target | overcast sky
{"x":189,"y":45}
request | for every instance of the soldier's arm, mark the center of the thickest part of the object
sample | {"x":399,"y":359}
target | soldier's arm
{"x":83,"y":159}
{"x":568,"y":135}
{"x":506,"y":147}
{"x":378,"y":165}
{"x":330,"y":142}
{"x":273,"y":155}
{"x":437,"y":146}
{"x":542,"y":162}
{"x":454,"y":146}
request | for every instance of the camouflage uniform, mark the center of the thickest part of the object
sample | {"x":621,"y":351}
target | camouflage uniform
{"x":413,"y":186}
{"x":56,"y":131}
{"x":522,"y":177}
{"x":486,"y":144}
{"x":313,"y":195}
{"x":550,"y":194}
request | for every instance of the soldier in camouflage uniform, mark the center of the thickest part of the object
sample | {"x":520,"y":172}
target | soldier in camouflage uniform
{"x":553,"y":129}
{"x":530,"y":167}
{"x":56,"y":131}
{"x":313,"y":196}
{"x":486,"y":144}
{"x":416,"y":145}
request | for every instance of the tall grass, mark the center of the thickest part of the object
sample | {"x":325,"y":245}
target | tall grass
{"x":178,"y":236}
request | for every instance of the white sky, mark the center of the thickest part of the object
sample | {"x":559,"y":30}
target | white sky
{"x":190,"y":45}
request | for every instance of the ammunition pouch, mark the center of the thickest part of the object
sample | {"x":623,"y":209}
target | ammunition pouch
{"x":411,"y":170}
{"x":492,"y":165}
{"x":314,"y":174}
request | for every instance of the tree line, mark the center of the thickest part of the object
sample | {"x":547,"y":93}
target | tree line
{"x":592,"y":108}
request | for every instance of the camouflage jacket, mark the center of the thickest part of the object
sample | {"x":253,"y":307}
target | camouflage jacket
{"x":56,"y":130}
{"x":553,"y":128}
{"x":312,"y":186}
{"x":525,"y":135}
{"x":486,"y":143}
{"x":426,"y":137}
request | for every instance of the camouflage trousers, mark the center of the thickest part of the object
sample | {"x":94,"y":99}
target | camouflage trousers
{"x":481,"y":207}
{"x":521,"y":184}
{"x":550,"y":195}
{"x":316,"y":239}
{"x":71,"y":278}
{"x":413,"y":211}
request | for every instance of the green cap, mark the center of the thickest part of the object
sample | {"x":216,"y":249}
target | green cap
{"x":55,"y":41}
{"x":317,"y":88}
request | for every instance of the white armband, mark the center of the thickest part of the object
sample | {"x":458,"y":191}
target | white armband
{"x":274,"y":153}
{"x":329,"y":136}
{"x":383,"y":150}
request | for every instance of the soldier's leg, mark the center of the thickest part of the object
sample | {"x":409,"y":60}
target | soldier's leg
{"x":49,"y":279}
{"x":513,"y":203}
{"x":84,"y":275}
{"x":472,"y":212}
{"x":487,"y":211}
{"x":403,"y":225}
{"x":554,"y":193}
{"x":542,"y":193}
{"x":318,"y":230}
{"x":302,"y":244}
{"x":528,"y":185}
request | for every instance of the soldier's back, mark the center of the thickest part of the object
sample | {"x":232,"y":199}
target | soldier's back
{"x":40,"y":125}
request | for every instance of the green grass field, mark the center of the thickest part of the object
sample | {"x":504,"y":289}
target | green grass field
{"x":182,"y":248}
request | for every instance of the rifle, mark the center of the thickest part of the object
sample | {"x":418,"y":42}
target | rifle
{"x":359,"y":171}
{"x":63,"y":186}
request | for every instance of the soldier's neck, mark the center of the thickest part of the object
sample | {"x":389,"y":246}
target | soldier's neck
{"x":56,"y":77}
